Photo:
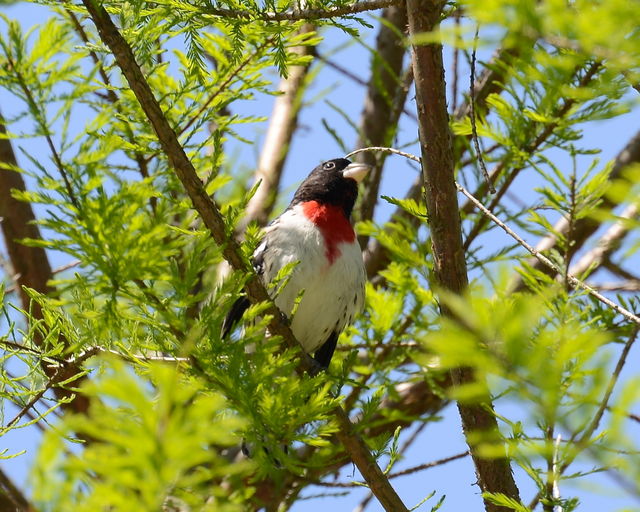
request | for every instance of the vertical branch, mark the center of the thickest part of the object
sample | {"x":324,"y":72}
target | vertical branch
{"x":282,"y":125}
{"x":30,"y":264}
{"x":494,"y":475}
{"x":383,"y":104}
{"x":490,"y":81}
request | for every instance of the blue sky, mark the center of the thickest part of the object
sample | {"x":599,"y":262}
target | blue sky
{"x":312,"y":144}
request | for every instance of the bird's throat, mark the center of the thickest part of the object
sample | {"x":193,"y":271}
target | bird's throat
{"x":332,"y":223}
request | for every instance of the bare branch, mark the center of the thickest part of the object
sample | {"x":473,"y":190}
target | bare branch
{"x":383,"y":104}
{"x":604,"y":403}
{"x":472,"y":114}
{"x":585,"y":227}
{"x":429,"y":465}
{"x":212,"y":218}
{"x":30,"y":264}
{"x":302,"y":14}
{"x":11,"y":498}
{"x":575,"y":282}
{"x":560,"y":112}
{"x":630,"y":286}
{"x":404,"y":472}
{"x":491,"y":81}
{"x":609,"y":242}
{"x":282,"y":125}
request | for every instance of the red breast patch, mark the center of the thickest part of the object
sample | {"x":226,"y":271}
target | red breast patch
{"x":333,"y":225}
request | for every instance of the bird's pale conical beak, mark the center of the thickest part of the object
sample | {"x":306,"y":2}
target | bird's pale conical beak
{"x":356,"y":171}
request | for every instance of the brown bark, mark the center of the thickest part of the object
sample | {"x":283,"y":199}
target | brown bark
{"x":213,"y":220}
{"x":491,"y":81}
{"x":11,"y":498}
{"x":494,"y":475}
{"x":30,"y":264}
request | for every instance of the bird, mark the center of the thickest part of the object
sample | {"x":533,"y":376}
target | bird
{"x":316,"y":235}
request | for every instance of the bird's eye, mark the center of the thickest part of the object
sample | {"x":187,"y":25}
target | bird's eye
{"x":329,"y":165}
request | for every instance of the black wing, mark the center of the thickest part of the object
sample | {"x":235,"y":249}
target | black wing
{"x":324,"y":354}
{"x":241,"y":304}
{"x":234,"y":315}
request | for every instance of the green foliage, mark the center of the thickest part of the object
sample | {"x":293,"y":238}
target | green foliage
{"x":171,"y":401}
{"x":153,"y":440}
{"x":547,"y":354}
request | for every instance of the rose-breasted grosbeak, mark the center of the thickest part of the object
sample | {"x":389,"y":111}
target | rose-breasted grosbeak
{"x":315,"y":232}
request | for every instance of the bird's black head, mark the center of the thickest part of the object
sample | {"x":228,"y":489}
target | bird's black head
{"x":333,"y":182}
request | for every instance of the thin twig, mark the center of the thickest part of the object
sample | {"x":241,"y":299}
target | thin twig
{"x":472,"y":111}
{"x":547,"y":262}
{"x":586,"y":226}
{"x":455,"y":65}
{"x":577,"y":283}
{"x":595,"y":422}
{"x":47,"y":134}
{"x":630,"y":286}
{"x":429,"y":465}
{"x":34,"y":400}
{"x":303,"y":14}
{"x":404,"y":472}
{"x":529,"y":149}
{"x":56,"y":270}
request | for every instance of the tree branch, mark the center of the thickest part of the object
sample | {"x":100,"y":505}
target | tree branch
{"x":584,"y":227}
{"x":30,"y":264}
{"x":282,"y":125}
{"x":609,"y":242}
{"x":548,"y":129}
{"x":571,"y":279}
{"x":383,"y":104}
{"x":11,"y":498}
{"x":494,"y":475}
{"x":491,"y":81}
{"x":414,"y":400}
{"x":212,"y":218}
{"x":302,"y":14}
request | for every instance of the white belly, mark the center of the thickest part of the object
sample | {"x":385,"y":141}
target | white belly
{"x":333,"y":292}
